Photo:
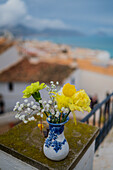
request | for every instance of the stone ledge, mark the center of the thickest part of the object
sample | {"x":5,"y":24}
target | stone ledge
{"x":25,"y":142}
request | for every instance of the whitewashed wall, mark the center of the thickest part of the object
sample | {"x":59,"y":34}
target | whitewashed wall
{"x":11,"y":97}
{"x":74,"y":79}
{"x":95,"y":83}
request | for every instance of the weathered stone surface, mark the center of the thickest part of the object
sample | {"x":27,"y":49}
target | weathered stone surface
{"x":25,"y":142}
{"x":103,"y":158}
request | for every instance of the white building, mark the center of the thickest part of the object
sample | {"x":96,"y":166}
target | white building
{"x":9,"y":58}
{"x":15,"y":79}
{"x":92,"y":82}
{"x":94,"y":79}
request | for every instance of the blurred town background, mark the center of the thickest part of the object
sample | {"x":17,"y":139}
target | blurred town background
{"x":65,"y":41}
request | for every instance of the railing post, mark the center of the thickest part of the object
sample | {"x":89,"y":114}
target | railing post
{"x":94,"y":119}
{"x":100,"y":116}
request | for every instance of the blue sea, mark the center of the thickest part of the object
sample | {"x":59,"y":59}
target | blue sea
{"x":93,"y":42}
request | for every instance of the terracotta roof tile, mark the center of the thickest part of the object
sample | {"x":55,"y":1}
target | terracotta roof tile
{"x":5,"y":46}
{"x":86,"y":64}
{"x":24,"y":71}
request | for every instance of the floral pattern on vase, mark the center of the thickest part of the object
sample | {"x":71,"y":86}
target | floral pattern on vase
{"x":56,"y":146}
{"x":52,"y":140}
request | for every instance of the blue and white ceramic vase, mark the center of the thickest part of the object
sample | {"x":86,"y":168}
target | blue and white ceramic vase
{"x":56,"y":146}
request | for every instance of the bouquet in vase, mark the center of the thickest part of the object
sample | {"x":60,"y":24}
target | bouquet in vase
{"x":57,"y":108}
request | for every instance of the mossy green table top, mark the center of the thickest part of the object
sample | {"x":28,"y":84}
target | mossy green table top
{"x":25,"y":142}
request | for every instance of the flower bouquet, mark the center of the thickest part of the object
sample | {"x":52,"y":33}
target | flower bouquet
{"x":57,"y":109}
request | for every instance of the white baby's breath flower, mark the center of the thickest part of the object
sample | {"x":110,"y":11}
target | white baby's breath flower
{"x":52,"y":112}
{"x":29,"y":119}
{"x":25,"y":111}
{"x":44,"y":102}
{"x":28,"y":109}
{"x":38,"y":114}
{"x":22,"y":117}
{"x":62,"y":109}
{"x":40,"y":101}
{"x":22,"y":105}
{"x":17,"y":103}
{"x":14,"y":108}
{"x":25,"y":121}
{"x":42,"y":110}
{"x":55,"y":106}
{"x":17,"y":116}
{"x":25,"y":100}
{"x":47,"y":105}
{"x":57,"y":112}
{"x":32,"y":118}
{"x":19,"y":109}
{"x":28,"y":104}
{"x":53,"y":86}
{"x":57,"y":115}
{"x":41,"y":115}
{"x":66,"y":110}
{"x":51,"y":82}
{"x":50,"y":101}
{"x":32,"y":103}
{"x":34,"y":106}
{"x":47,"y":87}
{"x":57,"y":83}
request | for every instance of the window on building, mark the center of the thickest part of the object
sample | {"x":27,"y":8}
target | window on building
{"x":10,"y":86}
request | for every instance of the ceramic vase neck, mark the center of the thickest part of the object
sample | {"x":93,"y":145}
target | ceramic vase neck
{"x":56,"y":129}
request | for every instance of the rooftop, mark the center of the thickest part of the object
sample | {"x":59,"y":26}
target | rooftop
{"x":9,"y":58}
{"x":25,"y":71}
{"x":5,"y":44}
{"x":88,"y":64}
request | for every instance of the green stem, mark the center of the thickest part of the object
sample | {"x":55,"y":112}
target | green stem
{"x":46,"y":114}
{"x":61,"y":117}
{"x":41,"y":125}
{"x":67,"y":115}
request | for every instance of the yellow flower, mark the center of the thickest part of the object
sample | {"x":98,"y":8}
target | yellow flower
{"x":69,"y":90}
{"x":40,"y":126}
{"x":80,"y":101}
{"x":62,"y":101}
{"x":33,"y":88}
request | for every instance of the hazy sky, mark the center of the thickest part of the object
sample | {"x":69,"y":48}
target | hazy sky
{"x":83,"y":15}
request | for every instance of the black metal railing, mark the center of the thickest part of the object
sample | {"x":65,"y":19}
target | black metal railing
{"x":102,"y":117}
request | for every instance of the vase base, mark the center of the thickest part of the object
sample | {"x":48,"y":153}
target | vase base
{"x":51,"y":154}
